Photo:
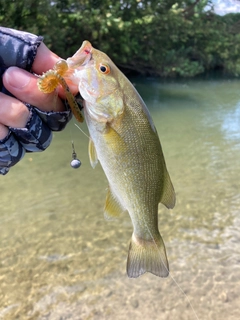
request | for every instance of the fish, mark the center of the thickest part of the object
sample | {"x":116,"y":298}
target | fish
{"x":123,"y":138}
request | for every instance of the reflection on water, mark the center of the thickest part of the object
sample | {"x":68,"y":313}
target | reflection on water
{"x":231,"y":124}
{"x":59,"y":258}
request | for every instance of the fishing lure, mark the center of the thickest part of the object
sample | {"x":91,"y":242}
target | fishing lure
{"x":75,"y":163}
{"x":48,"y":82}
{"x":51,"y":79}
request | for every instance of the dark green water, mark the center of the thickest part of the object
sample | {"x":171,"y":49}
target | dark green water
{"x":59,"y":258}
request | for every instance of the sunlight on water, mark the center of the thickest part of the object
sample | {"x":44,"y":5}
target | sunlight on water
{"x":59,"y":258}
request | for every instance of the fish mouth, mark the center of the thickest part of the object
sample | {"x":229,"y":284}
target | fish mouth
{"x":82,"y":56}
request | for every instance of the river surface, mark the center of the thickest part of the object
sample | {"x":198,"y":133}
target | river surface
{"x":60,"y":259}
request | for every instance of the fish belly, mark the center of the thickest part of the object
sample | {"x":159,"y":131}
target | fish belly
{"x":134,"y":166}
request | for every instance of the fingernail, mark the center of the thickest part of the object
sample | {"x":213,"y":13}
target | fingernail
{"x":17,"y":77}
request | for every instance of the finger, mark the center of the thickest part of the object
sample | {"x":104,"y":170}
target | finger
{"x":23,"y":85}
{"x":13,"y":113}
{"x":44,"y":60}
{"x":3,"y":131}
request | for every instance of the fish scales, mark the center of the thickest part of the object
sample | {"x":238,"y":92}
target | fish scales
{"x":124,"y":139}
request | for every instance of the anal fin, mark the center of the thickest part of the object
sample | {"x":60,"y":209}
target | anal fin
{"x":113,"y":208}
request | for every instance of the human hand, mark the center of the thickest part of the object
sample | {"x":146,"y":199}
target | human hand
{"x":23,"y":85}
{"x":27,"y":115}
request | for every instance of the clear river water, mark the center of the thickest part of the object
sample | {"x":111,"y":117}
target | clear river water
{"x":60,"y":259}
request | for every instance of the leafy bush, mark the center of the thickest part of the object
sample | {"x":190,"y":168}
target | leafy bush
{"x":168,"y":38}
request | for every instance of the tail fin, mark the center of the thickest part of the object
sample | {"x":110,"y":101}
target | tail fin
{"x":147,"y":256}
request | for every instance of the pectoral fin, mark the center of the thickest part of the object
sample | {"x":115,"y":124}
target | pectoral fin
{"x":113,"y":208}
{"x":168,"y":197}
{"x":92,"y":153}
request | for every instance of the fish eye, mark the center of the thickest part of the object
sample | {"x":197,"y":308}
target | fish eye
{"x":104,"y":68}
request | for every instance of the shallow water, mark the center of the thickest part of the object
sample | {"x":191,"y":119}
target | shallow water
{"x":59,"y":258}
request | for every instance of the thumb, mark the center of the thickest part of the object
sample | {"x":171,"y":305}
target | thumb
{"x":23,"y":85}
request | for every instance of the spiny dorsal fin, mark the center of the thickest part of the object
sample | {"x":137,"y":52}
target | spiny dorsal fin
{"x":168,"y":196}
{"x":113,"y":208}
{"x":92,"y":153}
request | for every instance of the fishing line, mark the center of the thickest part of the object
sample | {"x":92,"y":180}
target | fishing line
{"x":173,"y":279}
{"x":82,"y":130}
{"x":76,"y":163}
{"x":74,"y":155}
{"x":49,"y":82}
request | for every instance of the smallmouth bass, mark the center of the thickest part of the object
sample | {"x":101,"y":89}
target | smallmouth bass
{"x":124,"y":140}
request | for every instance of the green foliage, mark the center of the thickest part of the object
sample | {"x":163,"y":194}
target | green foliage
{"x":168,"y":38}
